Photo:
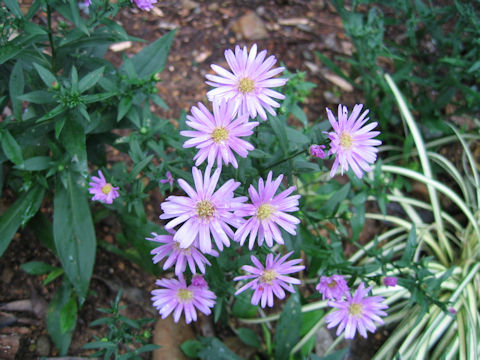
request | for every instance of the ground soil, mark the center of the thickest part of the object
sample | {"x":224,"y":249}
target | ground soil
{"x":205,"y":29}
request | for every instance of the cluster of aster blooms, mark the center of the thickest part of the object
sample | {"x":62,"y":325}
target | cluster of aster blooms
{"x":359,"y":311}
{"x":208,"y":217}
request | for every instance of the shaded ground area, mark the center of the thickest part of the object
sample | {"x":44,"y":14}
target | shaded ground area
{"x":290,"y":30}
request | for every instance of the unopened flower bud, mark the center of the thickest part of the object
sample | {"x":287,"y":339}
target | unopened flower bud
{"x":60,"y":167}
{"x":156,"y":77}
{"x":143,"y":130}
{"x":390,"y":281}
{"x":55,"y":85}
{"x":317,"y":151}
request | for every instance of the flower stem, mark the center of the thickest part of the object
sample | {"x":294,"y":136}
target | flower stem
{"x":287,"y":158}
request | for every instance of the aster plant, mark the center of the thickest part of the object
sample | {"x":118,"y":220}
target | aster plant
{"x":351,"y":141}
{"x":204,"y":213}
{"x":248,"y":82}
{"x":175,"y":296}
{"x":217,"y":137}
{"x":180,"y":257}
{"x":102,"y":190}
{"x":267,"y":213}
{"x":271,"y":279}
{"x":357,"y":312}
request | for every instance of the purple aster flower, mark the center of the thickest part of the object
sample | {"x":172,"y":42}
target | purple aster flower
{"x":390,"y":281}
{"x":357,"y":312}
{"x":250,"y":82}
{"x":101,"y":190}
{"x":352,"y":145}
{"x":176,"y":296}
{"x":170,"y":179}
{"x":332,"y":287}
{"x":217,"y":135}
{"x":268,"y":212}
{"x":177,"y":255}
{"x":270,"y":280}
{"x":317,"y":151}
{"x":146,"y":5}
{"x":204,"y":212}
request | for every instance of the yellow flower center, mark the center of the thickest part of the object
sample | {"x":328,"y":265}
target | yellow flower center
{"x":264,"y":211}
{"x":346,"y":140}
{"x":268,"y":276}
{"x":107,"y":188}
{"x":205,"y":209}
{"x":219,"y":135}
{"x":184,"y":295}
{"x":355,"y":309}
{"x":332,"y":284}
{"x":246,"y":85}
{"x":186,"y":251}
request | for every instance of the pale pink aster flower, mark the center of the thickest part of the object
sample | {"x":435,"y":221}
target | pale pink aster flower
{"x":317,"y":151}
{"x":177,"y":255}
{"x":332,"y":287}
{"x":101,"y":190}
{"x":357,"y":312}
{"x":249,"y":82}
{"x":352,"y":145}
{"x":217,"y":135}
{"x":390,"y":281}
{"x":175,"y":296}
{"x":170,"y":179}
{"x":270,"y":280}
{"x":146,"y":5}
{"x":268,"y":212}
{"x":204,"y":212}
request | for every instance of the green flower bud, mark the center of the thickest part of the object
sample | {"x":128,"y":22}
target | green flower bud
{"x":143,"y":130}
{"x":55,"y":85}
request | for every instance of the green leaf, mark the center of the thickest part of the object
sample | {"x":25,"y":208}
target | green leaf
{"x":91,"y":98}
{"x":52,"y":113}
{"x":242,"y":308}
{"x":337,"y":355}
{"x":52,"y":276}
{"x":36,"y":163}
{"x":140,"y":166}
{"x":18,"y":214}
{"x":74,"y":80}
{"x":191,"y":348}
{"x":159,"y":101}
{"x":249,"y":337}
{"x":100,"y":345}
{"x":13,"y":6}
{"x":47,"y":77}
{"x":73,"y":139}
{"x":214,"y":349}
{"x":288,"y":328}
{"x":36,"y":267}
{"x":331,"y":205}
{"x":61,"y":339}
{"x":74,"y":234}
{"x":410,"y":247}
{"x":278,"y":127}
{"x":68,"y":315}
{"x":123,"y":107}
{"x":11,"y":148}
{"x":152,"y":58}
{"x":299,"y":114}
{"x":16,"y":86}
{"x":37,"y":97}
{"x":77,"y":19}
{"x":90,"y":79}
